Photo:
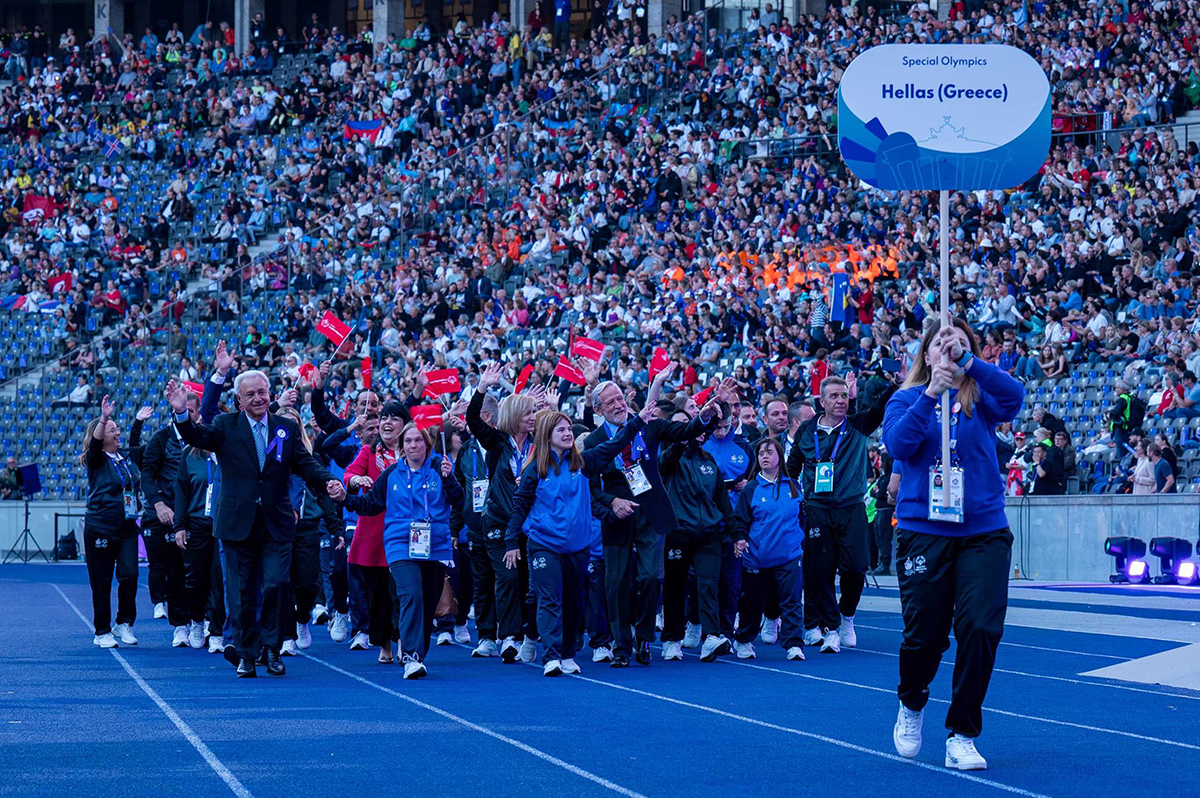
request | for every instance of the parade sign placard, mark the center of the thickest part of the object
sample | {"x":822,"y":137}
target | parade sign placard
{"x":926,"y":117}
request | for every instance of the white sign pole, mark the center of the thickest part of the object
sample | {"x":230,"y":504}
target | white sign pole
{"x":944,"y":247}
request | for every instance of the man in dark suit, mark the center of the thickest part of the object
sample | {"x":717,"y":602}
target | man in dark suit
{"x":253,"y":516}
{"x":638,"y":516}
{"x":479,"y":289}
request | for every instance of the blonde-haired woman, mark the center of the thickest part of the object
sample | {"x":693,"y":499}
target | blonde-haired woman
{"x":415,"y":495}
{"x":552,"y":508}
{"x":310,"y":509}
{"x":952,"y":561}
{"x":509,"y":446}
{"x":110,"y":529}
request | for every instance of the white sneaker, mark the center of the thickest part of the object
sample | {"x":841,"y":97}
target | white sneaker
{"x":360,"y":642}
{"x":414,"y":669}
{"x":318,"y":616}
{"x":832,"y":643}
{"x":813,"y":637}
{"x":180,"y":638}
{"x":124,"y":634}
{"x":206,"y":633}
{"x":445,"y":639}
{"x":602,"y":654}
{"x":509,"y":650}
{"x":795,"y":653}
{"x":196,"y":635}
{"x":288,"y":649}
{"x":907,"y":733}
{"x":672,"y":650}
{"x":486,"y":648}
{"x":105,"y":641}
{"x":744,"y":650}
{"x":339,"y":627}
{"x":160,"y":610}
{"x":303,"y":635}
{"x":770,"y":631}
{"x":528,"y":650}
{"x":846,"y":632}
{"x":569,"y":666}
{"x":691,"y":636}
{"x":462,"y":634}
{"x":216,"y":645}
{"x":961,"y":754}
{"x":553,"y":668}
{"x":713,"y":646}
{"x":471,"y":613}
{"x":660,"y":621}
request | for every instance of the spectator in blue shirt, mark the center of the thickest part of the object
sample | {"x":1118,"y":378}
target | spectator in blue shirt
{"x":1164,"y":475}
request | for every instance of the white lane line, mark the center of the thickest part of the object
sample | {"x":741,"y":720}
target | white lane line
{"x":235,"y":786}
{"x":567,"y":766}
{"x":801,"y":733}
{"x":892,"y":692}
{"x":1014,"y":645}
{"x":1127,"y":688}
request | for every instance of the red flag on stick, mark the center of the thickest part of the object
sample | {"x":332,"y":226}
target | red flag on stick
{"x":566,"y":371}
{"x":586,"y":347}
{"x":195,"y":388}
{"x":702,"y":397}
{"x":658,"y":361}
{"x":306,"y":371}
{"x":332,"y":328}
{"x":366,"y":373}
{"x":61,"y":282}
{"x":425,"y":416}
{"x":442,"y":381}
{"x":523,"y":378}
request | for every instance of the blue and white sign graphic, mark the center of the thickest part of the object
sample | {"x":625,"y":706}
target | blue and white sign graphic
{"x":925,"y":117}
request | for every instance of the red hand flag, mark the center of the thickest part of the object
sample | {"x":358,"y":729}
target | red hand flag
{"x":366,"y":373}
{"x":523,"y":378}
{"x":566,"y":371}
{"x":658,"y":361}
{"x":442,"y":381}
{"x":702,"y":397}
{"x":195,"y":388}
{"x":60,"y":281}
{"x":586,"y":347}
{"x":332,"y":328}
{"x":425,"y":416}
{"x":306,"y":371}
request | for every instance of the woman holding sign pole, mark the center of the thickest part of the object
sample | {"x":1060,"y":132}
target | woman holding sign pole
{"x":952,"y":557}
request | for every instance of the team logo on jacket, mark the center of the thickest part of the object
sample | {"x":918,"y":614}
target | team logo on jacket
{"x":538,"y":563}
{"x":814,"y":533}
{"x":494,"y":534}
{"x":707,"y":470}
{"x":914,"y":567}
{"x":675,"y":554}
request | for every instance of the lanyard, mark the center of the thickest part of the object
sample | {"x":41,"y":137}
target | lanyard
{"x":837,"y":443}
{"x":208,"y":465}
{"x":955,"y":420}
{"x":637,"y":448}
{"x":424,"y":488}
{"x":475,"y":463}
{"x":123,"y":472}
{"x":520,"y":454}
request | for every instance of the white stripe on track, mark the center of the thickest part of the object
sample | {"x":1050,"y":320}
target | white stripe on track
{"x":892,"y":692}
{"x":801,"y":733}
{"x":1014,"y":645}
{"x":567,"y":766}
{"x":1054,"y":678}
{"x":235,"y":786}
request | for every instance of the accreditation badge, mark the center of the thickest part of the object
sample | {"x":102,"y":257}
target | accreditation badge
{"x":420,"y":540}
{"x":823,"y":481}
{"x":208,"y":501}
{"x":131,"y":508}
{"x":479,"y":489}
{"x":636,"y":477}
{"x":941,"y":480}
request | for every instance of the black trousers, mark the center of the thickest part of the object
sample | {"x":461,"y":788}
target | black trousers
{"x":788,"y":581}
{"x":835,"y":545}
{"x":631,"y":584}
{"x":595,"y":609}
{"x":516,"y":609}
{"x":334,"y":583}
{"x":730,"y":587}
{"x":166,"y":573}
{"x":959,"y":582}
{"x":378,"y":599}
{"x":682,"y":555}
{"x":483,"y":578}
{"x":108,"y":550}
{"x":306,"y":577}
{"x":883,"y":535}
{"x":418,"y":588}
{"x":559,"y":582}
{"x":258,"y":565}
{"x":462,"y":584}
{"x":203,"y":584}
